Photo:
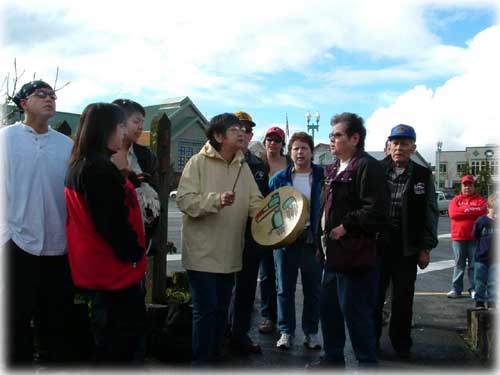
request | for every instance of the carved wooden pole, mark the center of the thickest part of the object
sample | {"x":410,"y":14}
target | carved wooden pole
{"x":157,"y":268}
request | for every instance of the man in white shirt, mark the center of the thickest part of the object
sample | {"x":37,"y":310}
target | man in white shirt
{"x":33,"y":162}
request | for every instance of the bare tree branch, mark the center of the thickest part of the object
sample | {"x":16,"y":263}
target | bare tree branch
{"x":63,"y":86}
{"x":55,"y":82}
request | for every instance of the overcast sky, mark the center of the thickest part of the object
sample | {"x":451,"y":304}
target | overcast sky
{"x":431,"y":64}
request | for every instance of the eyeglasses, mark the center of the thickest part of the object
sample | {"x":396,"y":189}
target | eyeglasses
{"x":274,"y":139}
{"x":336,"y":135}
{"x":43,"y":94}
{"x":247,"y":130}
{"x":236,"y":128}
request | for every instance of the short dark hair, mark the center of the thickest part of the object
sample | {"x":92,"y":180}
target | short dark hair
{"x":129,"y":107}
{"x":300,"y":136}
{"x":219,"y":125}
{"x":354,"y":124}
{"x":97,"y":123}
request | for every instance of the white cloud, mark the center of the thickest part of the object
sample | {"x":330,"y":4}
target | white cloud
{"x":462,"y":112}
{"x":187,"y":47}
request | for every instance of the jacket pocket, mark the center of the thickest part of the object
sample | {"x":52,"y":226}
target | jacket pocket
{"x":351,"y":254}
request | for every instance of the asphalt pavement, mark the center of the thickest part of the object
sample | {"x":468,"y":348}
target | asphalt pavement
{"x":440,"y":325}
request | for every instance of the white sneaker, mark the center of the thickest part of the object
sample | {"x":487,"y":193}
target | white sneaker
{"x":285,"y":341}
{"x":312,"y":342}
{"x":453,"y":294}
{"x":473,"y":294}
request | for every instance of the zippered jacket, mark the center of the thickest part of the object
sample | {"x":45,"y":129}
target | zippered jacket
{"x":212,"y":235}
{"x":106,"y":245}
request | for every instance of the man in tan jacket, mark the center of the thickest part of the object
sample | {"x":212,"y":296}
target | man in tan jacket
{"x":216,"y":194}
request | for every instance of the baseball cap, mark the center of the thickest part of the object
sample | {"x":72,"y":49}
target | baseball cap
{"x":29,"y":88}
{"x":244,"y":118}
{"x":403,"y":131}
{"x":467,"y":178}
{"x":277,"y":131}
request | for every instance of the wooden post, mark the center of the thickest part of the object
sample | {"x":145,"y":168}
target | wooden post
{"x":157,"y":267}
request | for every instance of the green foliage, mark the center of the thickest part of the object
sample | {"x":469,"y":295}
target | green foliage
{"x":483,"y":181}
{"x":175,"y":296}
{"x":178,"y":288}
{"x":83,"y":298}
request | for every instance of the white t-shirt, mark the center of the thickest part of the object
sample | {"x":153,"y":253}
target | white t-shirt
{"x":32,"y":205}
{"x":302,"y":182}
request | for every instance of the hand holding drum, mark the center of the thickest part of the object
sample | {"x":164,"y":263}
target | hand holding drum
{"x":282,"y":218}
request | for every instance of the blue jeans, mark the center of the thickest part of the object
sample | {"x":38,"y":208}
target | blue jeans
{"x":211,"y":294}
{"x":267,"y":277}
{"x":288,"y":261}
{"x":485,"y":281}
{"x":351,"y":299}
{"x":463,"y":252}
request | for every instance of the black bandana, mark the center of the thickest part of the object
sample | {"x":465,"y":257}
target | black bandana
{"x":28,"y":89}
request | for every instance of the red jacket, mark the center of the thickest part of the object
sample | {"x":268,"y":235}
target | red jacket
{"x":106,"y":245}
{"x":463,"y":213}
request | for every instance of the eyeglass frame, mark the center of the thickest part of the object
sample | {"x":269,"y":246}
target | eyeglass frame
{"x":42,"y":94}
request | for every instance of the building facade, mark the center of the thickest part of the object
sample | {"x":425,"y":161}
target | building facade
{"x":477,"y":158}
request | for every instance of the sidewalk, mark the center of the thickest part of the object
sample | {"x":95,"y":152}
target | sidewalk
{"x":439,"y":326}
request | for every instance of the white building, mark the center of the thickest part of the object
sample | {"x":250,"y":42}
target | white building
{"x":451,"y":163}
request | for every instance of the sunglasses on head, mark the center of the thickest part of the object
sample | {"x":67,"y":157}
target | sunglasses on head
{"x":43,"y":94}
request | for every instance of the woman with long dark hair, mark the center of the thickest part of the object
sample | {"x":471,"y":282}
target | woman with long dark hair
{"x":106,"y":245}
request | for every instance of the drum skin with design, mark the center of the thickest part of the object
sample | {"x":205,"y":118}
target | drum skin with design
{"x":282,"y":218}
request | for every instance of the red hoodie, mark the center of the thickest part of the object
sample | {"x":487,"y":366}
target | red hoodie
{"x":463,"y":213}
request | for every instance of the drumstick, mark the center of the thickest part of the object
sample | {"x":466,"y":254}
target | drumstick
{"x":238,"y":175}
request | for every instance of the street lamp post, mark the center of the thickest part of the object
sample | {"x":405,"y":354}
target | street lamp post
{"x":438,"y":163}
{"x":312,"y":126}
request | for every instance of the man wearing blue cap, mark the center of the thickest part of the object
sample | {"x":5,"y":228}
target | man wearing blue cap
{"x":411,"y":234}
{"x":33,"y":163}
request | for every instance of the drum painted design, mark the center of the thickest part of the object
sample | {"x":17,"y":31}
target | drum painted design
{"x":281,"y":219}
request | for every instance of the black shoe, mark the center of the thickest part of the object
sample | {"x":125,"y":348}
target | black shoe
{"x":323,"y":363}
{"x":244,"y":345}
{"x":480,"y":305}
{"x":403,"y":353}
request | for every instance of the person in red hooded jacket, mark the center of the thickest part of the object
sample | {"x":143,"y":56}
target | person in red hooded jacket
{"x":106,"y":243}
{"x":464,"y":209}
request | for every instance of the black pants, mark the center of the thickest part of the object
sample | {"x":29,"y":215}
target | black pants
{"x":118,"y":325}
{"x":402,"y":271}
{"x":38,"y":288}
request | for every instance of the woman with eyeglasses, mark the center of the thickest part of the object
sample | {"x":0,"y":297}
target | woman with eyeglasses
{"x":106,"y":244}
{"x":140,"y":165}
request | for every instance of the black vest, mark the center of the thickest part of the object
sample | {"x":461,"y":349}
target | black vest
{"x":416,"y":204}
{"x":413,"y":210}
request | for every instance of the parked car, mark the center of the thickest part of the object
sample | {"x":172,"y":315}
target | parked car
{"x":173,"y":194}
{"x":443,"y":201}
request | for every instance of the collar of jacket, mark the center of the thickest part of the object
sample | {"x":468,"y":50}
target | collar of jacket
{"x":317,"y":172}
{"x":252,"y":159}
{"x":210,"y":152}
{"x":331,"y":170}
{"x":389,"y":164}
